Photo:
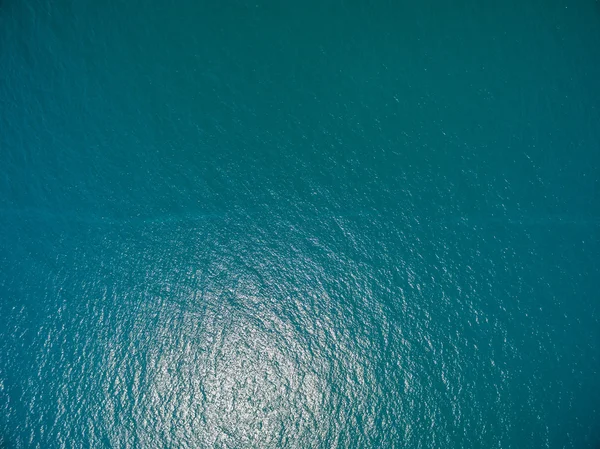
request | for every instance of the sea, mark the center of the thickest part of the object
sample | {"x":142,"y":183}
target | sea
{"x":299,"y":224}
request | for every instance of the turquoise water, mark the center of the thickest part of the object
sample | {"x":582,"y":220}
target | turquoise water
{"x":316,"y":224}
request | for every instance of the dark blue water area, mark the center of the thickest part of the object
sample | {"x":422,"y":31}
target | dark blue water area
{"x":324,"y":224}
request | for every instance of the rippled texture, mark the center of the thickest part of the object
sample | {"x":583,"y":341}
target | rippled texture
{"x":332,"y":224}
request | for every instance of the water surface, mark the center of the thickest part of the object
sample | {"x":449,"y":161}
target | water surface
{"x":300,"y":224}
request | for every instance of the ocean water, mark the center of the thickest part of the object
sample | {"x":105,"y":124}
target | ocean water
{"x":318,"y":224}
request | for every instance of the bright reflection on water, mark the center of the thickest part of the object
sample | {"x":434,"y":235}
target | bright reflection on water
{"x":259,"y":356}
{"x":243,"y":379}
